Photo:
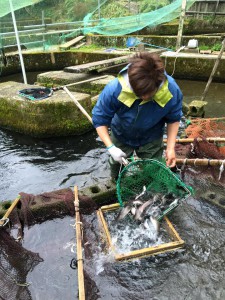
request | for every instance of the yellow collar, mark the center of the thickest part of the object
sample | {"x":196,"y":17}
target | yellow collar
{"x":127,"y":96}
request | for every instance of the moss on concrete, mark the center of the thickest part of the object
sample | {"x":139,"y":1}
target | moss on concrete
{"x":194,"y":66}
{"x":55,"y":116}
{"x":167,"y":41}
{"x":59,"y":78}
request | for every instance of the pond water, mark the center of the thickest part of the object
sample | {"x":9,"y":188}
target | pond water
{"x":193,"y":272}
{"x":41,"y":165}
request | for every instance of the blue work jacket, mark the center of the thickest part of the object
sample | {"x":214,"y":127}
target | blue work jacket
{"x":135,"y":122}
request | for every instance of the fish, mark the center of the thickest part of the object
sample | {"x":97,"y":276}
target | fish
{"x":135,"y":157}
{"x":135,"y":205}
{"x":155,"y":200}
{"x":131,"y":206}
{"x":154,"y":222}
{"x":151,"y":216}
{"x":146,"y":208}
{"x":140,"y":211}
{"x":123,"y":213}
{"x":142,"y":193}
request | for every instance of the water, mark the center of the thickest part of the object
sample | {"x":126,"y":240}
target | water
{"x":53,"y":278}
{"x":194,"y":272}
{"x":41,"y":165}
{"x":193,"y":90}
{"x":127,"y":235}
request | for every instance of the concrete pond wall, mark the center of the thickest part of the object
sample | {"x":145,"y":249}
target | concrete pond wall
{"x":50,"y":61}
{"x":53,"y":116}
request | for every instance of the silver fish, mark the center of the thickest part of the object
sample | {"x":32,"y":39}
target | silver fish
{"x":131,"y":206}
{"x":155,"y":224}
{"x":141,"y":210}
{"x":123,"y":213}
{"x":142,"y":193}
{"x":135,"y":157}
{"x":135,"y":205}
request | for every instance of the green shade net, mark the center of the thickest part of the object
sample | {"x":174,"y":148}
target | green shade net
{"x":17,"y":4}
{"x":129,"y":24}
{"x":91,"y":24}
{"x":156,"y":177}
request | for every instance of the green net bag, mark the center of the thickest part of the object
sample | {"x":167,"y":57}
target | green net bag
{"x":156,"y":178}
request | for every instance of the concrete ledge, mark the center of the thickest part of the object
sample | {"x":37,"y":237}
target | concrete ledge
{"x":187,"y":66}
{"x":53,"y":116}
{"x":193,"y":66}
{"x":42,"y":209}
{"x":58,"y":78}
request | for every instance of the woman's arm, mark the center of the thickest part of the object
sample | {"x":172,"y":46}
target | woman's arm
{"x":104,"y":135}
{"x":172,"y":130}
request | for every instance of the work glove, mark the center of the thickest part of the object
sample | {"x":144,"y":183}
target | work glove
{"x":116,"y":153}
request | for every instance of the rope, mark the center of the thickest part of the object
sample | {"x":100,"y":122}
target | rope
{"x":4,"y":221}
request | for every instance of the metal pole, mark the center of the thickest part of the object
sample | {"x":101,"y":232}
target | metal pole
{"x":181,"y":24}
{"x":99,"y":9}
{"x":18,"y":43}
{"x":43,"y":24}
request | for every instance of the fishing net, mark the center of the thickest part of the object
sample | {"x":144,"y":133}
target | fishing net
{"x":15,"y":263}
{"x":106,"y":17}
{"x":128,"y":24}
{"x":156,"y":177}
{"x":202,"y":151}
{"x":208,"y":128}
{"x":36,"y":93}
{"x":5,"y":5}
{"x":200,"y":148}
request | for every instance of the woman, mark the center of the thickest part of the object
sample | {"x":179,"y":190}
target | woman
{"x":136,"y":106}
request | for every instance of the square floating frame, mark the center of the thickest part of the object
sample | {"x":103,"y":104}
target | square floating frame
{"x":176,"y":243}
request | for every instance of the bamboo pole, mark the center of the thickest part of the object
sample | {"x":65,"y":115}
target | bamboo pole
{"x":10,"y":209}
{"x":181,"y":24}
{"x":191,"y":140}
{"x":84,"y":81}
{"x":77,"y":104}
{"x":79,"y":247}
{"x":74,"y":99}
{"x":200,"y":162}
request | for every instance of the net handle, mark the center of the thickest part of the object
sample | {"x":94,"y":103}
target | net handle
{"x":125,"y":162}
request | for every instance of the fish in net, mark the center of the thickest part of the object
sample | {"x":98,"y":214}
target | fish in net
{"x":156,"y":178}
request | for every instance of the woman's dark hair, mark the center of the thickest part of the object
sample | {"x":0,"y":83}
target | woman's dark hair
{"x":146,"y":73}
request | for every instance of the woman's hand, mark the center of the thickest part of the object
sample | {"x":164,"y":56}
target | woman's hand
{"x":170,"y":158}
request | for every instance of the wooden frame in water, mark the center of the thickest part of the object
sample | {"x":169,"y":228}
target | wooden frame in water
{"x":176,"y":243}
